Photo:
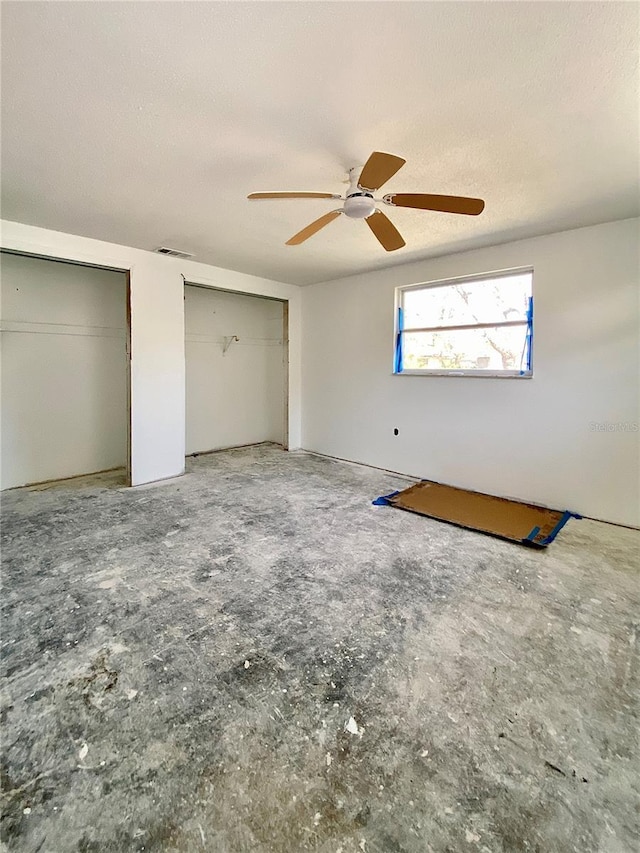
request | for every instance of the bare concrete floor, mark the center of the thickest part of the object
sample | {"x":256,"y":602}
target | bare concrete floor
{"x":254,"y":658}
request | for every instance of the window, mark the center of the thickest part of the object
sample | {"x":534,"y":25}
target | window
{"x":476,"y":326}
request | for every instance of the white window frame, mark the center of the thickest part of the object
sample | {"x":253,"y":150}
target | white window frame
{"x":469,"y":372}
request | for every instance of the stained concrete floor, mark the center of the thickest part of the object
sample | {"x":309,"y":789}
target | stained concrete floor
{"x":183,"y":662}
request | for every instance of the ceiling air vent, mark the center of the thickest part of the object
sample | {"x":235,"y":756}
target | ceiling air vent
{"x":172,"y":253}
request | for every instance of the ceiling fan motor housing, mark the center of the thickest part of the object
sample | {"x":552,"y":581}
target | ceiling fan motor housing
{"x":359,"y":205}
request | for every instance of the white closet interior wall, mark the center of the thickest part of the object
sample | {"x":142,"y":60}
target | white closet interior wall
{"x":64,"y":370}
{"x":235,"y":389}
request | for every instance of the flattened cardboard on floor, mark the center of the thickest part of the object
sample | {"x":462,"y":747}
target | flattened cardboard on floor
{"x":513,"y":520}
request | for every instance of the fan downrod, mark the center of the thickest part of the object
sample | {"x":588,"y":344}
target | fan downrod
{"x":359,"y":203}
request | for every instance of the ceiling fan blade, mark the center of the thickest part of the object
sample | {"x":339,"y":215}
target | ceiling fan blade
{"x":310,"y":230}
{"x":444,"y":203}
{"x":293,"y":195}
{"x":378,"y":169}
{"x":386,"y":232}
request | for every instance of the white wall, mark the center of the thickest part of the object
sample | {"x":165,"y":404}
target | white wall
{"x":157,"y":337}
{"x":529,"y":439}
{"x":64,"y":370}
{"x":234,"y":397}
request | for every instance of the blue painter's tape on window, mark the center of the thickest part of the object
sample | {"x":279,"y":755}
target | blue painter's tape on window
{"x":397,"y":367}
{"x":526,"y":352}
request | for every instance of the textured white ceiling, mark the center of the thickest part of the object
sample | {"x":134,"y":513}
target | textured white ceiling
{"x":149,"y":123}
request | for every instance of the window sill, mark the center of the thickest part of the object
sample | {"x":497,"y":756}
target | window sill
{"x":475,"y":374}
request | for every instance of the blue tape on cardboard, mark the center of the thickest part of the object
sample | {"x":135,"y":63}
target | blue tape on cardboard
{"x":566,"y":515}
{"x":384,"y":500}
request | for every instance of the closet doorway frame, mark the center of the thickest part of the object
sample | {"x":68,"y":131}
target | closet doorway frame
{"x":285,"y":346}
{"x":96,"y":266}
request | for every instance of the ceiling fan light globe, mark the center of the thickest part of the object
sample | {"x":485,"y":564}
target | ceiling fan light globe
{"x":359,"y":206}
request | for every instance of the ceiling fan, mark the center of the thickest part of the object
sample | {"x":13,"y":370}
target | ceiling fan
{"x":359,"y":202}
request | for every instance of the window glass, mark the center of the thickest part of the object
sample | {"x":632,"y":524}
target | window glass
{"x":496,"y":316}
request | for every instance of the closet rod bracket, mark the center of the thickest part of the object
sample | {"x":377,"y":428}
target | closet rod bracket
{"x":228,"y":341}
